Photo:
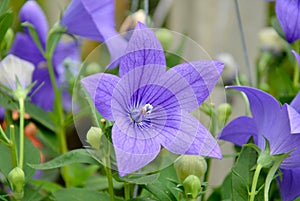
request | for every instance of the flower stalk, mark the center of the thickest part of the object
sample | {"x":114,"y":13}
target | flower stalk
{"x":21,"y":151}
{"x":254,"y":182}
{"x":296,"y":68}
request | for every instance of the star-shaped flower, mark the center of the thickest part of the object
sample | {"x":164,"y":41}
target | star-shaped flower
{"x":150,"y":106}
{"x":95,"y":20}
{"x":272,"y":122}
{"x":25,"y":48}
{"x":288,"y":14}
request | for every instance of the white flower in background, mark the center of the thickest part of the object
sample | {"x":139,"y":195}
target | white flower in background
{"x":270,"y":40}
{"x":14,"y":70}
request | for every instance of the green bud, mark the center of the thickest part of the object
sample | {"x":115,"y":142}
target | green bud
{"x":165,"y":37}
{"x":191,"y":186}
{"x":187,"y":165}
{"x":223,"y":113}
{"x":16,"y":178}
{"x":8,"y":39}
{"x":93,"y":137}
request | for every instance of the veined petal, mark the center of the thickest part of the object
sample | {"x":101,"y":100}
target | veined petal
{"x":202,"y":76}
{"x":191,"y":138}
{"x":288,"y":15}
{"x":296,"y":103}
{"x":32,"y":13}
{"x":289,"y":185}
{"x":133,"y":153}
{"x":239,"y":131}
{"x":100,"y":87}
{"x":294,"y":118}
{"x":143,"y":49}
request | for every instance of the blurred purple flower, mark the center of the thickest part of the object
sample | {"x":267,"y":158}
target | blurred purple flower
{"x":288,"y":14}
{"x":269,"y":121}
{"x":95,"y":20}
{"x":2,"y":114}
{"x":25,"y":48}
{"x":150,"y":106}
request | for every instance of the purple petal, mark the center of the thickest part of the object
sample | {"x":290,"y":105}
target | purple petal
{"x":192,"y":138}
{"x":294,"y":118}
{"x":287,"y":12}
{"x":100,"y":87}
{"x":239,"y":131}
{"x":32,"y":13}
{"x":296,"y":103}
{"x":289,"y":186}
{"x":133,"y":153}
{"x":95,"y":20}
{"x":143,"y":49}
{"x":89,"y":19}
{"x":202,"y":76}
{"x":265,"y":110}
{"x":281,"y":140}
{"x":43,"y":95}
{"x":2,"y":114}
{"x":31,"y":53}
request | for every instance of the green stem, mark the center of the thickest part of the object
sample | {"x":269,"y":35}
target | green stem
{"x":254,"y":182}
{"x":3,"y":137}
{"x":21,"y":151}
{"x":127,"y":191}
{"x":13,"y":151}
{"x":60,"y":117}
{"x":109,"y":175}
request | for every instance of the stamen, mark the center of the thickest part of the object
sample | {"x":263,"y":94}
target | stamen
{"x":147,"y":109}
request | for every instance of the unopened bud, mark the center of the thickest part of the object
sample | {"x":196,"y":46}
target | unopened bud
{"x":270,"y":40}
{"x":223,"y":113}
{"x":187,"y":165}
{"x":93,"y":137}
{"x":191,"y":186}
{"x":16,"y":178}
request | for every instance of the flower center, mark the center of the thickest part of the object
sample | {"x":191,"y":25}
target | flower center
{"x":138,"y":115}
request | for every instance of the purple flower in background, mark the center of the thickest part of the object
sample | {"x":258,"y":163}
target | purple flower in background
{"x":25,"y":48}
{"x":95,"y":20}
{"x":2,"y":114}
{"x":288,"y":14}
{"x":150,"y":106}
{"x":269,"y":121}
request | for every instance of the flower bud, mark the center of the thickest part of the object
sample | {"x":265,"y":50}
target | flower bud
{"x":16,"y":178}
{"x":270,"y":40}
{"x":187,"y":165}
{"x":191,"y":186}
{"x":93,"y":137}
{"x":223,"y":113}
{"x":231,"y":67}
{"x":165,"y":37}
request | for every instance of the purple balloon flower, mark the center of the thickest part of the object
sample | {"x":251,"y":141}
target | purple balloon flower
{"x":288,"y":14}
{"x":269,"y":121}
{"x":25,"y":48}
{"x":95,"y":20}
{"x":150,"y":106}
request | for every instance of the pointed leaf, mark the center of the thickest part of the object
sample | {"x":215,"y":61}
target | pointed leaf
{"x":160,"y":191}
{"x":74,"y":156}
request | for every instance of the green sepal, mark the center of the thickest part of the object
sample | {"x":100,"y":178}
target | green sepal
{"x":34,"y":35}
{"x":53,"y":39}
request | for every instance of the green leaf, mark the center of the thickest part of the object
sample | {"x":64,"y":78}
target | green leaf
{"x":6,"y":21}
{"x":74,"y":156}
{"x":160,"y":191}
{"x":226,"y":188}
{"x":40,"y":116}
{"x":46,"y":185}
{"x":142,"y":199}
{"x":100,"y":183}
{"x":31,"y":155}
{"x":278,"y":160}
{"x":3,"y":6}
{"x":242,"y":174}
{"x":79,"y":194}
